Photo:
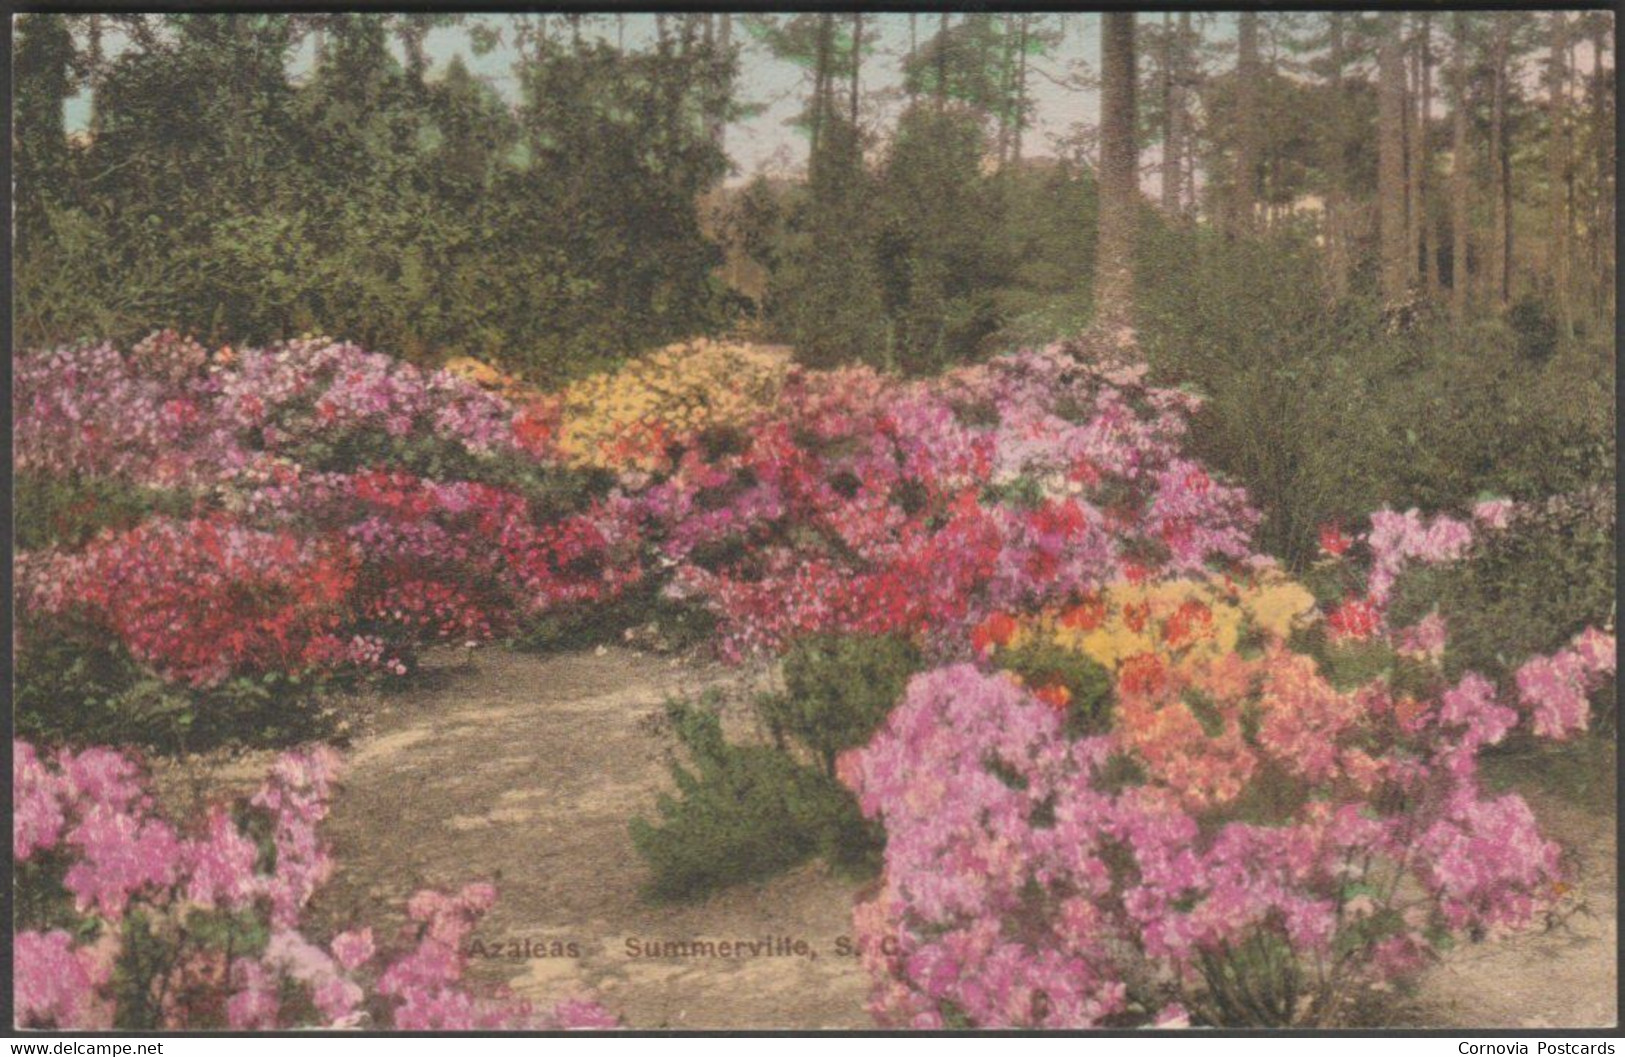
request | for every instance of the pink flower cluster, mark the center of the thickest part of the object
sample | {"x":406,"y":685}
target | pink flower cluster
{"x":1034,"y":880}
{"x":860,"y":502}
{"x":1557,"y":689}
{"x":85,"y":823}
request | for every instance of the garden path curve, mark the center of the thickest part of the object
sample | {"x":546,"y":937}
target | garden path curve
{"x":525,"y":770}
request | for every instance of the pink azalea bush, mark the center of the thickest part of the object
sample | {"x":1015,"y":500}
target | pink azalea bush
{"x":205,"y":929}
{"x":1247,"y":838}
{"x":1037,"y":880}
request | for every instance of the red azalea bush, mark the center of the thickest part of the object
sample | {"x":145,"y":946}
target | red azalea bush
{"x":859,"y":502}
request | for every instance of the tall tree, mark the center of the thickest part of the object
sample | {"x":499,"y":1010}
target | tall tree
{"x":1603,"y":162}
{"x":1460,"y":171}
{"x":1334,"y":160}
{"x":1249,"y":73}
{"x":1558,"y":155}
{"x":1119,"y":175}
{"x":1500,"y":270}
{"x":1395,"y":268}
{"x":857,"y":63}
{"x":1422,"y":156}
{"x":1173,"y":114}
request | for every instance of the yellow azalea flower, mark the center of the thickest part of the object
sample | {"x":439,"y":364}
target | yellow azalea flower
{"x":1278,"y":606}
{"x":624,"y":419}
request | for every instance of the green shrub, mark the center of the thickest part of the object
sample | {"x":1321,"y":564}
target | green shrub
{"x":1524,"y":591}
{"x":838,"y":690}
{"x":67,"y":512}
{"x":744,"y":813}
{"x":1042,"y":663}
{"x":1324,"y":414}
{"x":74,"y":684}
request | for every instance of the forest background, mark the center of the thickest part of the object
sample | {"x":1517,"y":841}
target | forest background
{"x":1381,"y":244}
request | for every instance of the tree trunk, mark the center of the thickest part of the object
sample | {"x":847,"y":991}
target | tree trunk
{"x":1500,"y":260}
{"x":821,"y":81}
{"x":1244,"y":192}
{"x":1603,"y":194}
{"x":857,"y":62}
{"x":1334,"y":147}
{"x":1395,"y":273}
{"x":1173,"y":125}
{"x":1021,"y":90}
{"x":1413,"y":167}
{"x":1557,"y":154}
{"x":1424,"y":162}
{"x":1119,"y":176}
{"x":913,"y":48}
{"x":942,"y":63}
{"x":1460,"y":178}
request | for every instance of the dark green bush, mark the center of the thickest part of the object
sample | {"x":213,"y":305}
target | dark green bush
{"x":1046,"y":663}
{"x":57,"y":511}
{"x":744,"y":813}
{"x":1524,"y":591}
{"x":74,"y":684}
{"x":838,"y":690}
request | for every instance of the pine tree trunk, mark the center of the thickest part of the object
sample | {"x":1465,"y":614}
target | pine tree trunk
{"x":821,"y":82}
{"x":1500,"y":269}
{"x":1021,"y":91}
{"x":857,"y":62}
{"x":1394,"y":241}
{"x":1173,"y":126}
{"x":1603,"y":193}
{"x":942,"y":63}
{"x":1413,"y":168}
{"x":1119,"y":176}
{"x":1244,"y":192}
{"x":1558,"y":169}
{"x":1460,"y":177}
{"x":1424,"y":156}
{"x":1334,"y":148}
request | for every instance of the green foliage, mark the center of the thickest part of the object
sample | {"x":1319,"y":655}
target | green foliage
{"x":838,"y":690}
{"x":1042,"y":663}
{"x":67,"y":512}
{"x":1523,"y":592}
{"x":643,"y":616}
{"x":1325,"y":415}
{"x":744,"y":813}
{"x":426,"y":217}
{"x":73,"y":684}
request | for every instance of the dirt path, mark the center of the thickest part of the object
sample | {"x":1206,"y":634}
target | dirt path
{"x":525,"y":770}
{"x":1565,"y":974}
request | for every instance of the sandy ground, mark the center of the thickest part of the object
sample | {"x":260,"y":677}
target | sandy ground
{"x":524,"y":771}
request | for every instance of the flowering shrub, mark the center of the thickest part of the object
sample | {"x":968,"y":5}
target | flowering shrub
{"x":125,"y":921}
{"x":204,"y":599}
{"x":1243,"y":844}
{"x":868,"y":504}
{"x":626,"y":419}
{"x":286,"y":568}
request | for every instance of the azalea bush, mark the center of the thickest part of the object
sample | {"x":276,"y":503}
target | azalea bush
{"x":871,"y":505}
{"x":1232,"y":835}
{"x":1536,"y":575}
{"x":316,"y":511}
{"x":631,"y":417}
{"x":127,"y":920}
